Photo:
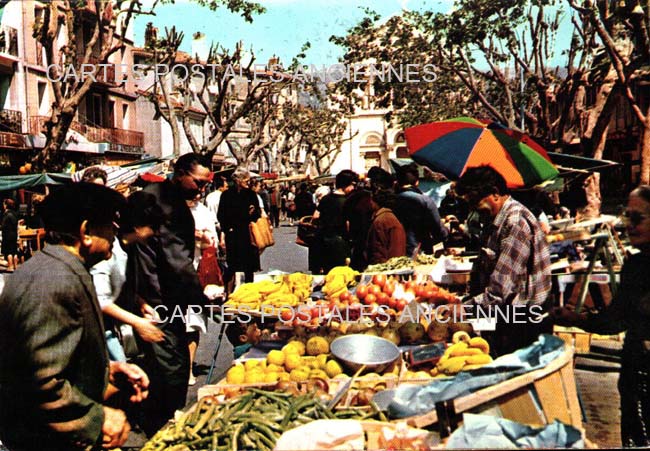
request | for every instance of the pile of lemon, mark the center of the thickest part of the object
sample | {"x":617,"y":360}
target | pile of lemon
{"x":296,"y":362}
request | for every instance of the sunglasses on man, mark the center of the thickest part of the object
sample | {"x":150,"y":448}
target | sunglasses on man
{"x":200,"y":183}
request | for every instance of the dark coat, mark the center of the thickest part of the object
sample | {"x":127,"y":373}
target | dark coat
{"x":419,"y":215}
{"x":386,"y":237}
{"x":234,"y":215}
{"x":305,"y":205}
{"x":166,"y":277}
{"x":165,"y":264}
{"x":53,"y":363}
{"x":9,"y":233}
{"x":331,"y":246}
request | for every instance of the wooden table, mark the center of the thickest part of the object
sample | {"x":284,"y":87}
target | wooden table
{"x":30,"y":235}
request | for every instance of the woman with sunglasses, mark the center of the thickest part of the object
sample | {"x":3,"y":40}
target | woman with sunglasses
{"x":629,"y":311}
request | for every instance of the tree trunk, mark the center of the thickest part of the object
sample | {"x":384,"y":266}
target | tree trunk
{"x":645,"y":149}
{"x":592,"y":191}
{"x":51,"y":155}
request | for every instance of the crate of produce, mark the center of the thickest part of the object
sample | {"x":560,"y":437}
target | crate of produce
{"x":441,"y":360}
{"x":536,"y":398}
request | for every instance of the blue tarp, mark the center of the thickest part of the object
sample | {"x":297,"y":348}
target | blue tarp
{"x":411,"y":400}
{"x":490,"y":432}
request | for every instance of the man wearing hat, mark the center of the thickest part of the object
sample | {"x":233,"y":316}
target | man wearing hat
{"x":54,"y":369}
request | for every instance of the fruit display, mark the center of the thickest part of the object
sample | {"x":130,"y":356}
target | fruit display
{"x":464,"y":354}
{"x":295,"y":362}
{"x":254,"y":419}
{"x":411,"y":332}
{"x":289,"y":291}
{"x":337,"y":281}
{"x":442,"y":330}
{"x":427,"y":291}
{"x":381,"y":291}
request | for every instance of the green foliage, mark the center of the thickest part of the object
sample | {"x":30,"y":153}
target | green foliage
{"x":389,"y":46}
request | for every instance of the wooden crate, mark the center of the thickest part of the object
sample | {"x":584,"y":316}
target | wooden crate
{"x":538,"y":397}
{"x":577,"y":338}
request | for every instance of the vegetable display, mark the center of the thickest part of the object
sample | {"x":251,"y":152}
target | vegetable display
{"x":255,"y":420}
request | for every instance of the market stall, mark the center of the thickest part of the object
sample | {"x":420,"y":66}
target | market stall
{"x":348,"y":346}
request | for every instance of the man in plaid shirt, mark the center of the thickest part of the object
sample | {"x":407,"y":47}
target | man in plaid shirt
{"x":513,"y":268}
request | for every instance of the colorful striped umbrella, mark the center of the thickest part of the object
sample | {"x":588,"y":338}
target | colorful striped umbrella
{"x":452,"y":146}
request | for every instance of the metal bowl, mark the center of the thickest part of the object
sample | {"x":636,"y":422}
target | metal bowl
{"x":354,"y":351}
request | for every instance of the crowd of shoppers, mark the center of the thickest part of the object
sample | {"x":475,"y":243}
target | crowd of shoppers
{"x":112,"y":260}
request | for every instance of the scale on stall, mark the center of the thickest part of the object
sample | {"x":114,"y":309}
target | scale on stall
{"x":426,"y":354}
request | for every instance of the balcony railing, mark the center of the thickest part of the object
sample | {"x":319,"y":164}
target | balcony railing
{"x":12,"y":140}
{"x":9,"y":40}
{"x":94,"y":134}
{"x":11,"y":121}
{"x":115,"y":136}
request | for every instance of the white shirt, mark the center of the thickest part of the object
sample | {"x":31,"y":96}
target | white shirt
{"x":212,"y":202}
{"x":109,"y":276}
{"x":204,"y":220}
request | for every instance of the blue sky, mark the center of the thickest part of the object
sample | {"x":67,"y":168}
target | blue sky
{"x":286,"y":25}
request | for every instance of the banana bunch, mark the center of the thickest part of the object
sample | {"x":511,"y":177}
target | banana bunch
{"x":338,"y":280}
{"x":248,"y":294}
{"x":289,"y":291}
{"x":281,"y":298}
{"x":300,"y":285}
{"x":465,"y":354}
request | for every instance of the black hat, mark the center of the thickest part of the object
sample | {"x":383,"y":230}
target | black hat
{"x":66,"y":207}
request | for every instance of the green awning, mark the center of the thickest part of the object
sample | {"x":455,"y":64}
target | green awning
{"x":12,"y":182}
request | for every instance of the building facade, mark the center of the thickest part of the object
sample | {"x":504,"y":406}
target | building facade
{"x":103,"y":130}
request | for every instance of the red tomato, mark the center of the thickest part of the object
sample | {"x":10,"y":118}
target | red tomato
{"x":355,"y":305}
{"x":419,"y":291}
{"x":286,"y":314}
{"x":389,"y":288}
{"x":353,"y":299}
{"x":369,"y":299}
{"x":345,"y":296}
{"x":400,"y":305}
{"x":379,"y":279}
{"x":362,"y":291}
{"x":409,"y":285}
{"x":382,"y":298}
{"x":392,"y":302}
{"x":303,"y":315}
{"x":374,"y":289}
{"x":316,"y":312}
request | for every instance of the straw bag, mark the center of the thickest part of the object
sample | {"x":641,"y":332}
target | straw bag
{"x":261,"y":234}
